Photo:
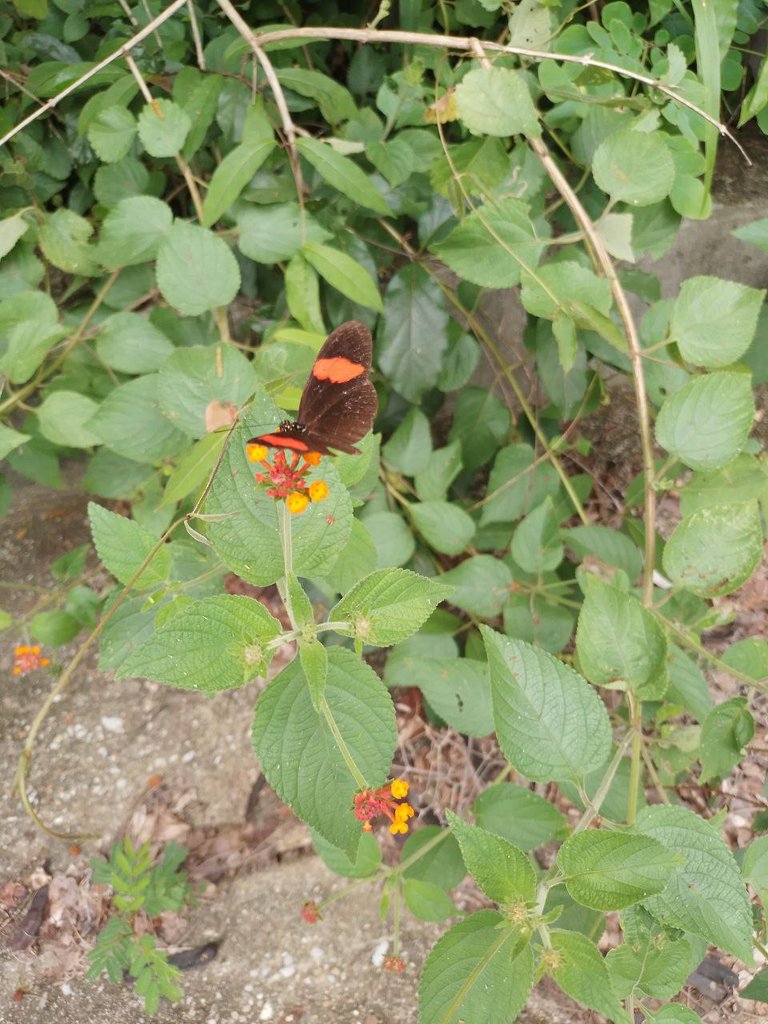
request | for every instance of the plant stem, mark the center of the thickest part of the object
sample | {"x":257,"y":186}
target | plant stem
{"x":593,"y":809}
{"x":286,"y":543}
{"x":636,"y":722}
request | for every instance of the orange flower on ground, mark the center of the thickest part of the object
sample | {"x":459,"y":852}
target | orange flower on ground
{"x":394,"y":964}
{"x":373,"y":803}
{"x":310,"y":912}
{"x":288,"y":479}
{"x":27,"y":659}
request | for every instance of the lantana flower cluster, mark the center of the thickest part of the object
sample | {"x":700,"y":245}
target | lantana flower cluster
{"x":287,"y":479}
{"x":27,"y":659}
{"x":373,"y":803}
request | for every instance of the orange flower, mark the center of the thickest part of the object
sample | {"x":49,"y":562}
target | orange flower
{"x":288,"y":479}
{"x":256,"y":452}
{"x":318,"y":490}
{"x":27,"y":659}
{"x":296,"y":502}
{"x":372,"y":803}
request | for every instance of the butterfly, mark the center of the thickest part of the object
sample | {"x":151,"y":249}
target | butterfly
{"x":338,"y":403}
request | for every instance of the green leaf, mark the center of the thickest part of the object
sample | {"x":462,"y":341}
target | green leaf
{"x":194,"y":377}
{"x":111,"y":133}
{"x":394,"y":159}
{"x":343,"y":174}
{"x":480,"y":970}
{"x":211,"y":644}
{"x":619,"y":643}
{"x":706,"y":896}
{"x":409,"y":448}
{"x":10,"y":439}
{"x":634,"y":167}
{"x":392,"y":539}
{"x":741,"y":480}
{"x":196,"y":271}
{"x":445,"y":527}
{"x":54,"y":628}
{"x":496,"y":101}
{"x":28,"y":345}
{"x":754,"y":867}
{"x":612,"y":870}
{"x":314,"y":664}
{"x":517,"y":484}
{"x":131,"y":423}
{"x":428,"y":902}
{"x":566,"y":287}
{"x":503,"y":872}
{"x":756,"y":232}
{"x":365,"y":863}
{"x":481,"y":585}
{"x":715,"y":550}
{"x":235,"y":172}
{"x":749,"y":656}
{"x":62,"y":417}
{"x":130,"y":343}
{"x":714,"y":321}
{"x":533,"y":618}
{"x":520,"y":815}
{"x":687,"y":684}
{"x":122,"y":545}
{"x":63,"y":238}
{"x":163,"y":127}
{"x":442,"y":467}
{"x":298,"y":752}
{"x":706,"y":423}
{"x":132,"y":231}
{"x":657,"y":967}
{"x":247,"y":538}
{"x":355,"y":561}
{"x":725,"y":733}
{"x":388,"y":606}
{"x":440,"y":862}
{"x":413,"y":336}
{"x":457,"y":689}
{"x":193,"y":468}
{"x":114,"y":182}
{"x":335,"y":102}
{"x":344,"y":274}
{"x":536,"y":543}
{"x":581,"y":972}
{"x":608,"y":545}
{"x":757,"y":988}
{"x":480,"y":423}
{"x":271,"y":234}
{"x":493,"y":245}
{"x":551,"y":724}
{"x":11,"y":230}
{"x":302,"y":294}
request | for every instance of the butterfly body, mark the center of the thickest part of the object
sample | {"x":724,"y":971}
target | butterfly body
{"x":338,"y":404}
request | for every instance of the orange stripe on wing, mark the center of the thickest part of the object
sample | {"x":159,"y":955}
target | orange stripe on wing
{"x":338,"y":369}
{"x":281,"y":441}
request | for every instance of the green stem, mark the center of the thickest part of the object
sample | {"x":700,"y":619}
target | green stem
{"x":593,"y":809}
{"x":636,"y":721}
{"x":354,"y":771}
{"x":286,"y":542}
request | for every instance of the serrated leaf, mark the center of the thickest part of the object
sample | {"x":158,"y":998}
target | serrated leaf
{"x":550,"y":723}
{"x":517,"y":484}
{"x":612,"y":870}
{"x":725,"y":733}
{"x":581,"y":972}
{"x":298,"y":752}
{"x":634,"y":167}
{"x":442,"y":468}
{"x":343,"y":174}
{"x":388,"y":606}
{"x":196,"y":271}
{"x":608,"y":545}
{"x":503,"y":872}
{"x":493,"y":245}
{"x":706,"y":895}
{"x":714,"y":321}
{"x":211,"y":644}
{"x":132,"y":231}
{"x":536,"y":543}
{"x":28,"y":345}
{"x":658,"y":968}
{"x":480,"y":970}
{"x":706,"y":423}
{"x":271,"y":234}
{"x":741,"y":480}
{"x":344,"y":274}
{"x":715,"y":550}
{"x":619,"y":643}
{"x":457,"y":689}
{"x":111,"y":133}
{"x":496,"y":101}
{"x":163,"y":127}
{"x":122,"y":545}
{"x":64,"y":239}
